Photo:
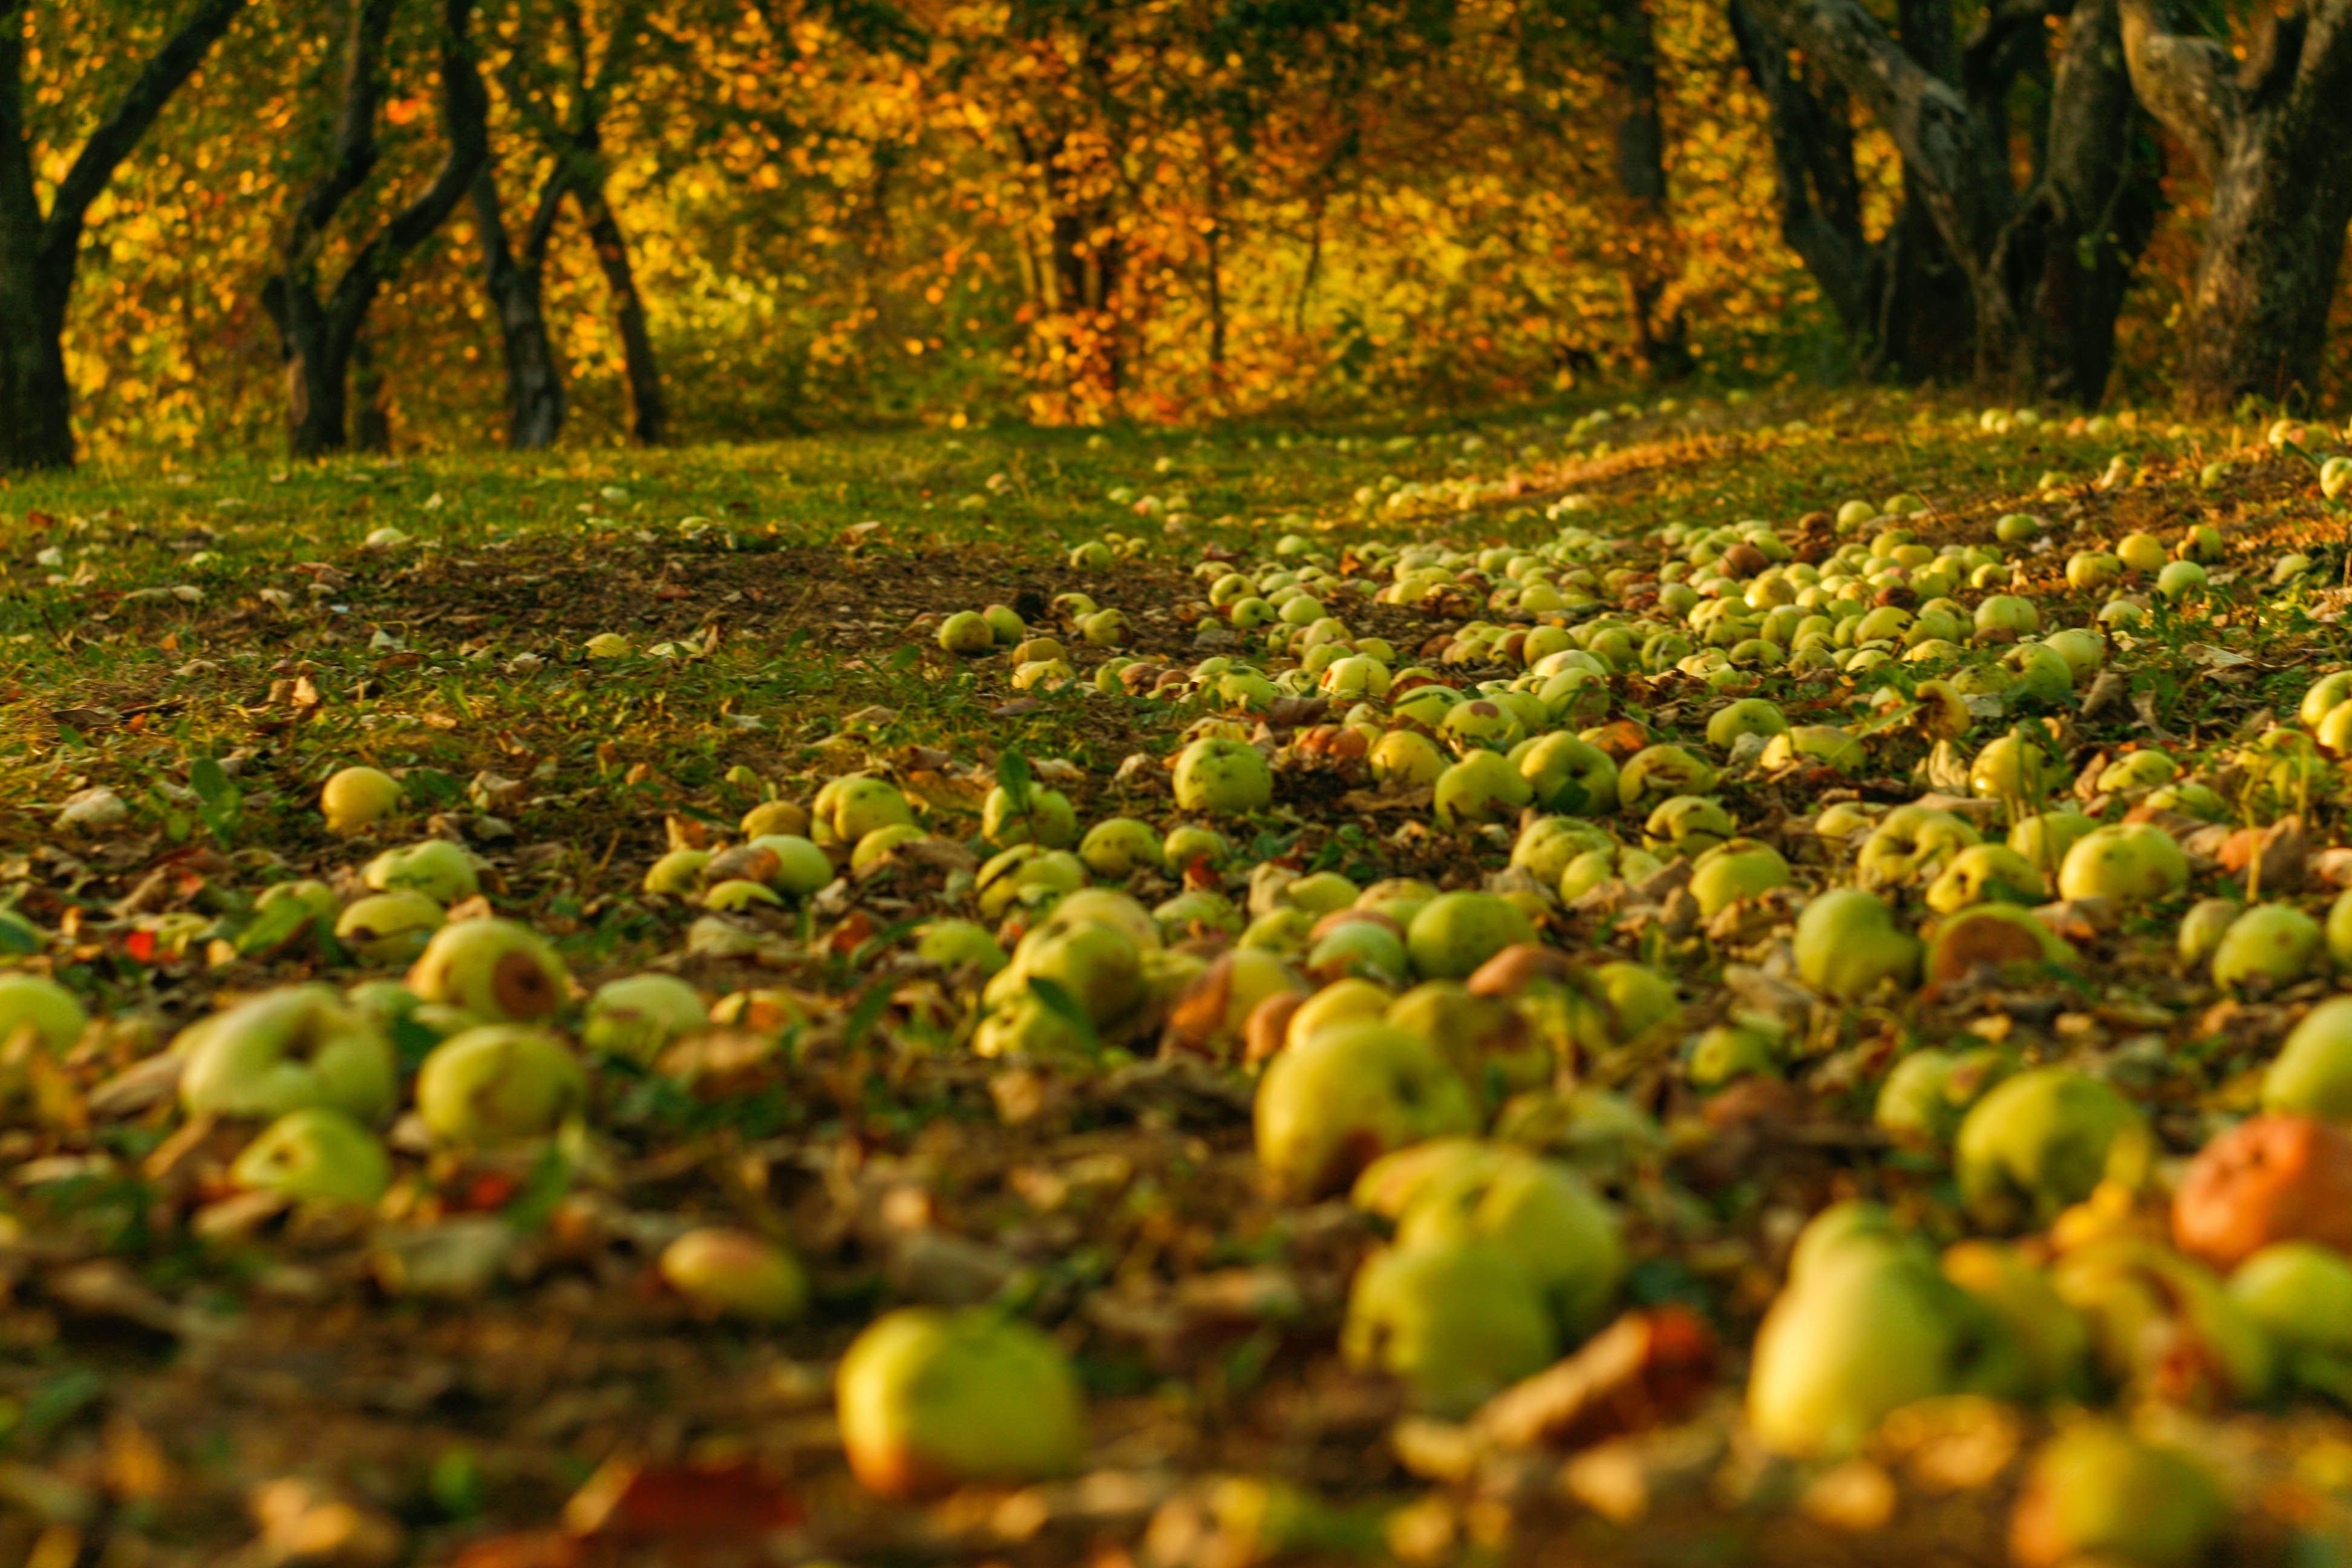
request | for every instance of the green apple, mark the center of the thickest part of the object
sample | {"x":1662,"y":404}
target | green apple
{"x":967,"y":632}
{"x":356,"y":799}
{"x":1119,"y":846}
{"x":1926,"y":1095}
{"x":1657,"y":771}
{"x":959,"y":945}
{"x":1336,"y":1100}
{"x":500,"y":1083}
{"x":2268,"y":947}
{"x":1847,"y":945}
{"x":930,"y":1400}
{"x":1222,"y":777}
{"x":1862,"y":1332}
{"x":736,"y":1274}
{"x":2130,"y":863}
{"x":1482,"y":787}
{"x":389,"y":928}
{"x":1747,"y":716}
{"x":2202,"y":928}
{"x":2010,"y":767}
{"x":1043,"y":817}
{"x":2045,"y":1140}
{"x":2313,"y":1071}
{"x":2097,"y":1494}
{"x":1456,"y":1320}
{"x":1025,"y":874}
{"x":637,"y":1015}
{"x":677,"y":873}
{"x":1098,"y":967}
{"x":1405,"y":758}
{"x":856,"y":805}
{"x":494,"y":969}
{"x":1567,"y":774}
{"x":316,"y":1153}
{"x":1454,"y":933}
{"x":1986,"y":873}
{"x":1685,"y":825}
{"x":1545,"y":846}
{"x":34,"y":1003}
{"x":1911,"y":844}
{"x":286,"y":1050}
{"x":1545,"y":1217}
{"x":2045,"y":837}
{"x":1734,"y":870}
{"x":1487,"y":1041}
{"x":437,"y":869}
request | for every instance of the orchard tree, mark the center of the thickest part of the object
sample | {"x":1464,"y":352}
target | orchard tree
{"x":2040,"y":268}
{"x":322,"y":324}
{"x":40,"y":248}
{"x":2274,"y":136}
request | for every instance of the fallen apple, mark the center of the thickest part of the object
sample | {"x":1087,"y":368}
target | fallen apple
{"x":929,"y":1400}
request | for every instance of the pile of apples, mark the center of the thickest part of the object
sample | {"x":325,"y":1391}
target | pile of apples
{"x":1857,"y":767}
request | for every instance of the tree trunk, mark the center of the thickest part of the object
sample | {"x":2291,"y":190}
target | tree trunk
{"x":1654,"y":254}
{"x":40,"y":251}
{"x":2034,"y":276}
{"x":535,"y":397}
{"x":320,"y":333}
{"x":2274,"y":138}
{"x":372,"y":429}
{"x":648,"y":410}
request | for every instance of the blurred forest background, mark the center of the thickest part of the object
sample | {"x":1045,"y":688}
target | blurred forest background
{"x":476,"y":222}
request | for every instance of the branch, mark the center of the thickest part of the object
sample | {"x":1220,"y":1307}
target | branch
{"x":2187,"y":82}
{"x":20,"y":203}
{"x":355,"y":150}
{"x":1819,"y":208}
{"x":133,"y":113}
{"x":465,"y":115}
{"x":1962,"y":167}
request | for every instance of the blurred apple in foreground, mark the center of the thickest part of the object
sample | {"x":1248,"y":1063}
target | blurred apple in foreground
{"x":930,"y":1400}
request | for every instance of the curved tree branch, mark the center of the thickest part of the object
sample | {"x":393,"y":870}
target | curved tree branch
{"x":2186,"y":81}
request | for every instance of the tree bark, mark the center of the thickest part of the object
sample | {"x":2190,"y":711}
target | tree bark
{"x":1654,"y":255}
{"x":648,"y":408}
{"x":2275,"y":139}
{"x":2040,"y":272}
{"x":535,"y":395}
{"x":40,"y":251}
{"x":319,"y":331}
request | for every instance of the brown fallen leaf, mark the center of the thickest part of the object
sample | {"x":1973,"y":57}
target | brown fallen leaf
{"x":2268,"y":860}
{"x":731,"y":1501}
{"x":1645,"y":1370}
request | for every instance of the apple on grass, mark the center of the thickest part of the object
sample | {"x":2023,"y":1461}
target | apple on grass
{"x":440,"y":870}
{"x":316,"y":1153}
{"x":635,"y":1017}
{"x":2047,"y":1139}
{"x":1222,"y":777}
{"x":1545,"y":1217}
{"x":2097,"y":1494}
{"x":1455,"y":1318}
{"x":1335,"y":1101}
{"x":355,"y":799}
{"x":735,"y":1274}
{"x":35,"y":1002}
{"x":1450,"y":936}
{"x":930,"y":1400}
{"x":389,"y":928}
{"x":493,"y":969}
{"x":286,"y":1050}
{"x":500,"y":1083}
{"x":1847,"y":945}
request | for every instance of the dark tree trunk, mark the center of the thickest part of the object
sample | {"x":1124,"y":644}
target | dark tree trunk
{"x":1655,"y":256}
{"x":320,"y":332}
{"x":535,"y":398}
{"x":41,"y":251}
{"x":2274,"y":138}
{"x":1813,"y":169}
{"x":648,"y":410}
{"x":2034,"y":276}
